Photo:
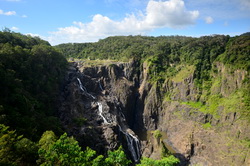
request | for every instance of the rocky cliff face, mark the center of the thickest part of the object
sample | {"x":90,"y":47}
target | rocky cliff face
{"x":203,"y":133}
{"x":110,"y":105}
{"x":98,"y":104}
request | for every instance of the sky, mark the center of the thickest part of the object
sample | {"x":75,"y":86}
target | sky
{"x":78,"y":21}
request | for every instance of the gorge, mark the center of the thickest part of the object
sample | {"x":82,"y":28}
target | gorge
{"x":125,"y":97}
{"x":120,"y":106}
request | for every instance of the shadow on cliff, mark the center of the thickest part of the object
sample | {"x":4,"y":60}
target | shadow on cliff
{"x":183,"y":160}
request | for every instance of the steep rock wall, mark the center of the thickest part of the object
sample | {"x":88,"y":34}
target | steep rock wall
{"x":97,"y":107}
{"x":198,"y":125}
{"x":199,"y":132}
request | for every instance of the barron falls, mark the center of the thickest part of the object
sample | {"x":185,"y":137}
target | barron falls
{"x":125,"y":101}
{"x":109,"y":105}
{"x":103,"y":97}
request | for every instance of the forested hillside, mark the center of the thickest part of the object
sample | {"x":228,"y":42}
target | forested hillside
{"x":172,"y":49}
{"x":195,"y":90}
{"x":31,"y":72}
{"x":159,"y":75}
{"x":166,"y":53}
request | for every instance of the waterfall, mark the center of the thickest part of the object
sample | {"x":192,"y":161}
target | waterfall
{"x":84,"y":89}
{"x":132,"y":142}
{"x":81,"y":86}
{"x":133,"y":145}
{"x":100,"y":113}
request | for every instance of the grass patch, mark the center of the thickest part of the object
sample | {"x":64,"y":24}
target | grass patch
{"x":185,"y":72}
{"x":167,"y":96}
{"x":164,"y":151}
{"x":157,"y":134}
{"x":207,"y":125}
{"x":91,"y":63}
{"x":234,"y":102}
{"x":211,"y":107}
{"x":216,"y":85}
{"x":197,"y":105}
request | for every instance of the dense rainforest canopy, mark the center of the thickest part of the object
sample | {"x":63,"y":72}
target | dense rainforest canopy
{"x":31,"y":72}
{"x":165,"y":53}
{"x":169,"y":49}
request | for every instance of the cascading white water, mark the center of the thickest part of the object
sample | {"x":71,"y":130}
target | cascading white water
{"x":133,"y":145}
{"x":98,"y":103}
{"x":84,"y":89}
{"x":100,"y":113}
{"x":81,"y":86}
{"x":132,"y":141}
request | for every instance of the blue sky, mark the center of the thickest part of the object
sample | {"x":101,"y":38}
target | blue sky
{"x":90,"y":20}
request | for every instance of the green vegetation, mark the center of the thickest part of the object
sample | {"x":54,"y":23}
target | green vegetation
{"x":163,"y":54}
{"x":207,"y":125}
{"x":116,"y":158}
{"x":184,"y":72}
{"x":210,"y":108}
{"x":16,"y":150}
{"x":164,"y":151}
{"x":232,"y":103}
{"x":237,"y":53}
{"x":31,"y":72}
{"x":157,"y":134}
{"x":166,"y":161}
{"x":63,"y":151}
{"x":80,"y":121}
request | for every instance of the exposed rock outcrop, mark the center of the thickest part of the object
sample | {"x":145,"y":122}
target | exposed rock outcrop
{"x":192,"y":127}
{"x":97,"y":104}
{"x":200,"y":137}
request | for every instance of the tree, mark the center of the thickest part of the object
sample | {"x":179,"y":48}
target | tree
{"x":166,"y":161}
{"x":117,"y":158}
{"x":15,"y":150}
{"x":64,"y":151}
{"x":7,"y":145}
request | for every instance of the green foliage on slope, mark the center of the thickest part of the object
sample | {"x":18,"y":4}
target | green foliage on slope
{"x":50,"y":150}
{"x":176,"y":58}
{"x":237,"y":53}
{"x":30,"y":71}
{"x":162,"y":53}
{"x":166,"y":161}
{"x":63,"y":151}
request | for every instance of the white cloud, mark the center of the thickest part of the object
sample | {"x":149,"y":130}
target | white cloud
{"x":159,"y":14}
{"x":209,"y":20}
{"x":245,"y":4}
{"x":32,"y":34}
{"x":24,"y":16}
{"x":169,"y":14}
{"x":8,"y":13}
{"x":37,"y":35}
{"x":14,"y":28}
